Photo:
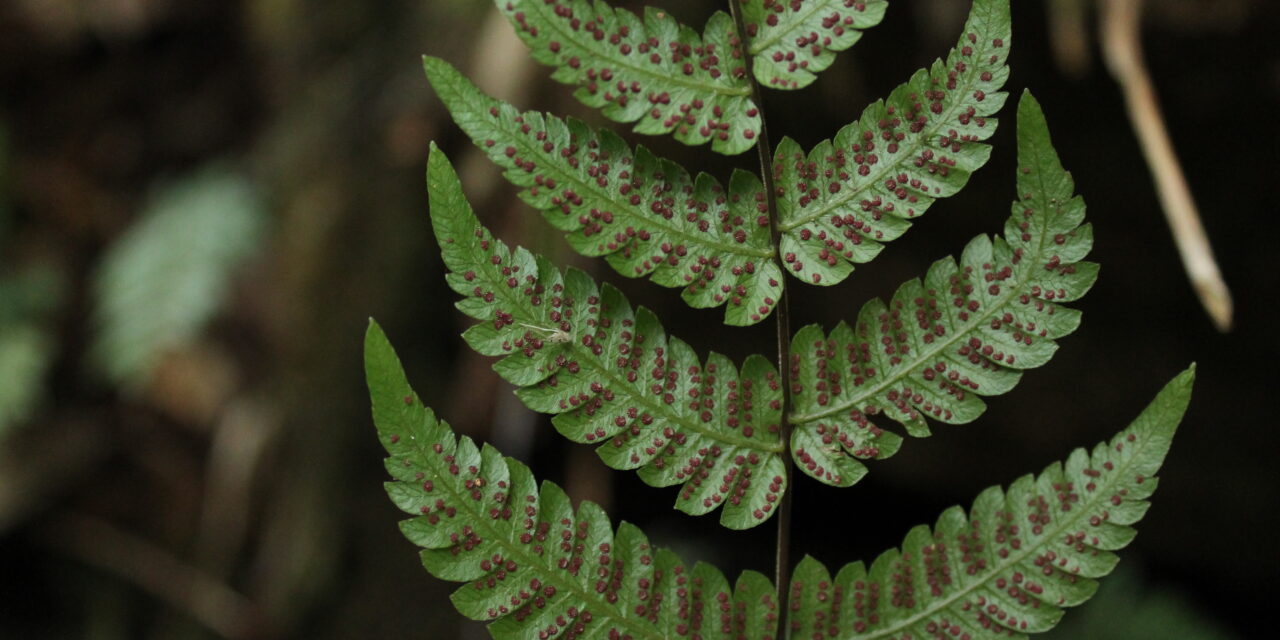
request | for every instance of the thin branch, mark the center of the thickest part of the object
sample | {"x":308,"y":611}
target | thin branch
{"x":782,"y":563}
{"x":157,"y":572}
{"x":1122,"y":48}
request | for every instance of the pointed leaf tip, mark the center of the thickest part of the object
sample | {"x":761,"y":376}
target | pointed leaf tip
{"x":615,"y":202}
{"x":561,"y":337}
{"x":980,"y":322}
{"x":791,"y":42}
{"x":650,"y":69}
{"x":470,"y":509}
{"x":1043,"y":541}
{"x":843,"y":200}
{"x":1030,"y":113}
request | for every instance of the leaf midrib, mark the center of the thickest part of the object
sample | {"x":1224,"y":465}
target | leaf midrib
{"x":942,"y":346}
{"x":627,"y":209}
{"x":1015,"y":559}
{"x":605,"y":54}
{"x":659,"y":410}
{"x":620,"y":385}
{"x":780,"y":31}
{"x":876,"y":177}
{"x":904,"y":371}
{"x":502,"y":538}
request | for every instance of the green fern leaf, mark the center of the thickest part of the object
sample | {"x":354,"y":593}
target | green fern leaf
{"x":967,"y":330}
{"x":644,"y":214}
{"x":534,"y":567}
{"x":653,"y":71}
{"x":841,"y":202}
{"x":611,"y":375}
{"x":791,"y":41}
{"x":1015,"y":561}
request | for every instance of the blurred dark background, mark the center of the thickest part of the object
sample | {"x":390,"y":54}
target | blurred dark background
{"x":202,"y":203}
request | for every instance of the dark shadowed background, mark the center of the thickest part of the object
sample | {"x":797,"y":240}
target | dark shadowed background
{"x":202,"y":203}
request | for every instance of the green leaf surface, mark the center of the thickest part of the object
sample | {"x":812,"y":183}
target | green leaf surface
{"x":839,"y":203}
{"x":652,"y":71}
{"x":1013,"y":563}
{"x":26,"y":353}
{"x":610,"y":374}
{"x":643,"y":214}
{"x":535,"y":567}
{"x":791,"y":41}
{"x":168,"y":275}
{"x":967,"y":330}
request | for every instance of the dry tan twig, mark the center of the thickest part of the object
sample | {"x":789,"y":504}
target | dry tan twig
{"x":1122,"y":49}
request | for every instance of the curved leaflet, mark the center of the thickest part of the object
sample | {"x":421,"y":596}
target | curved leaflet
{"x":611,"y":375}
{"x":1015,"y":561}
{"x":653,"y":71}
{"x":968,"y":329}
{"x":791,"y":41}
{"x":644,"y":214}
{"x":840,"y":202}
{"x":533,"y":566}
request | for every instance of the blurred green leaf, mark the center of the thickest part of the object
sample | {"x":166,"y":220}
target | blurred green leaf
{"x":30,"y":295}
{"x":170,"y":273}
{"x":26,"y":352}
{"x":1126,"y":608}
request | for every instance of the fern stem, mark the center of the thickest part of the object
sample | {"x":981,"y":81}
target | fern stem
{"x":782,"y":314}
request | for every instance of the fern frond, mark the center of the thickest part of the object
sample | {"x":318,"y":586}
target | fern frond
{"x":791,"y":41}
{"x":644,"y":214}
{"x":611,"y":375}
{"x":967,"y":330}
{"x":653,"y":71}
{"x":1013,"y":563}
{"x":839,"y":203}
{"x":534,"y":567}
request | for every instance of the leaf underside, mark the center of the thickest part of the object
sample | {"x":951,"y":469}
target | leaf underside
{"x":644,"y":214}
{"x":968,"y":330}
{"x":534,"y":566}
{"x":537,"y":568}
{"x":1010,"y":565}
{"x":652,"y":71}
{"x":611,"y":375}
{"x":839,"y":203}
{"x":791,"y":41}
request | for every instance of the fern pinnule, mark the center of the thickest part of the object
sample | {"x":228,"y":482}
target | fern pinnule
{"x":644,"y":214}
{"x":534,"y":566}
{"x":839,"y":203}
{"x":791,"y":41}
{"x":611,"y":375}
{"x":967,"y":330}
{"x":654,"y":71}
{"x":1016,"y":560}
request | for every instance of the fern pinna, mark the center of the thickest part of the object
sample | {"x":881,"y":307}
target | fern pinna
{"x":728,"y":434}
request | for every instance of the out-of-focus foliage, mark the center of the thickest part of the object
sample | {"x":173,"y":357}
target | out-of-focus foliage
{"x":1126,"y":608}
{"x":25,"y":353}
{"x":26,"y":345}
{"x":168,"y":275}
